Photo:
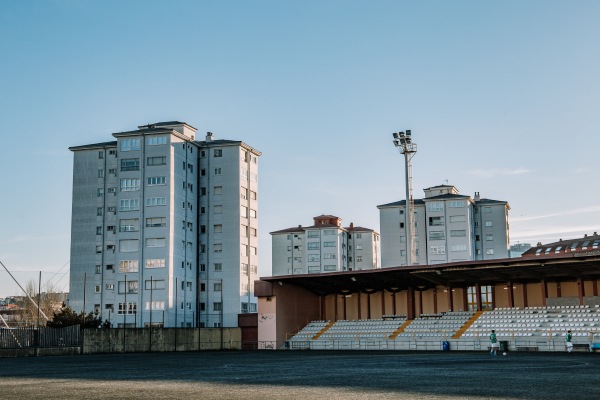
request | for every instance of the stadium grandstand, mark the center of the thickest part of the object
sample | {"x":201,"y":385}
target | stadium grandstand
{"x":530,"y":301}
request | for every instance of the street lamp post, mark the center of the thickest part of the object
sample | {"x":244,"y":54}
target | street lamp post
{"x":404,"y":144}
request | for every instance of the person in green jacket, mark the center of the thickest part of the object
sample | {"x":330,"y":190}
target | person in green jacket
{"x":568,"y":339}
{"x":494,"y":343}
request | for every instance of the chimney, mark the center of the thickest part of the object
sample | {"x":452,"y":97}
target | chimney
{"x":209,"y":136}
{"x":476,"y":197}
{"x":351,"y":225}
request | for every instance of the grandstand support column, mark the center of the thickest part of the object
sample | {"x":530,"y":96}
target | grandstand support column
{"x":478,"y":294}
{"x":493,"y":297}
{"x":435,"y":301}
{"x":558,"y":290}
{"x":394,"y":303}
{"x":368,"y":305}
{"x":510,"y":294}
{"x":465,"y":299}
{"x":420,"y":301}
{"x":359,"y":308}
{"x":450,"y":298}
{"x":344,"y":299}
{"x":321,"y":308}
{"x":525,"y":302}
{"x":580,"y":290}
{"x":335,"y":308}
{"x":383,"y":302}
{"x":544,"y":287}
{"x":410,"y":303}
{"x":595,"y":287}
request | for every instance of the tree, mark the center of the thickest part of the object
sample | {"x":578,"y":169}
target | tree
{"x":67,"y":317}
{"x":48,"y":302}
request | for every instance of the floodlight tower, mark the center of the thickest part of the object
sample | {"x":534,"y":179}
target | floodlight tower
{"x":403,"y":141}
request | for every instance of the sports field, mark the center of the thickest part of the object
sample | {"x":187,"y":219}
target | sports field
{"x":303,"y":375}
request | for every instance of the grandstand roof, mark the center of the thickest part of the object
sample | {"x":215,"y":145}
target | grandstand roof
{"x":563,"y":267}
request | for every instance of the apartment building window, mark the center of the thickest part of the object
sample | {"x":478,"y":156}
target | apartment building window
{"x":110,"y":247}
{"x":314,"y":269}
{"x":128,"y":266}
{"x":130,"y":144}
{"x":458,"y":233}
{"x":402,"y":239}
{"x":313,"y":234}
{"x":217,"y":153}
{"x":112,"y":210}
{"x":329,"y":232}
{"x":329,"y":256}
{"x":217,"y":286}
{"x":488,"y":223}
{"x":155,"y":263}
{"x":98,"y":269}
{"x":128,"y":225}
{"x":253,"y":213}
{"x":101,"y":154}
{"x":99,"y":211}
{"x":489,"y":252}
{"x":218,"y":267}
{"x":132,"y":287}
{"x":458,"y":218}
{"x":217,"y":306}
{"x":155,"y":305}
{"x":218,"y":209}
{"x":156,"y":222}
{"x":358,"y":258}
{"x":112,"y":153}
{"x":218,"y":247}
{"x":110,"y":267}
{"x":218,"y":190}
{"x":152,"y":161}
{"x":217,"y":171}
{"x":436,"y":250}
{"x":110,"y":286}
{"x":457,"y":204}
{"x":252,"y":195}
{"x":156,"y":140}
{"x":218,"y":228}
{"x":98,"y":230}
{"x":100,"y":173}
{"x":244,"y":212}
{"x":100,"y":192}
{"x":128,"y":185}
{"x":436,"y":221}
{"x":202,"y":172}
{"x":253,"y":251}
{"x":130,"y":164}
{"x":487,"y":210}
{"x":435,"y":206}
{"x":437,"y":235}
{"x":129,"y":204}
{"x":329,"y":268}
{"x":489,"y":237}
{"x":127,"y":308}
{"x":155,"y":242}
{"x":359,"y":247}
{"x":112,"y":190}
{"x":402,"y":253}
{"x":253,"y":177}
{"x":313,"y":258}
{"x":157,"y":180}
{"x":458,"y":247}
{"x":313,"y":245}
{"x":253,"y":232}
{"x":128,"y":245}
{"x":156,"y":201}
{"x":329,"y":244}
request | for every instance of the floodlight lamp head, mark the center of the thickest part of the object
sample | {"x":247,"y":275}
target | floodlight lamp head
{"x":396,"y":143}
{"x":408,"y":132}
{"x":395,"y":135}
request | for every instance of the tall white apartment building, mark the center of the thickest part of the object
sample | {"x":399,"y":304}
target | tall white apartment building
{"x":164,"y":228}
{"x":449,"y":227}
{"x":325,"y":246}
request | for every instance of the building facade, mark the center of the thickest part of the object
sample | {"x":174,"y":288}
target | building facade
{"x":164,"y":228}
{"x":449,"y":227}
{"x":325,"y":246}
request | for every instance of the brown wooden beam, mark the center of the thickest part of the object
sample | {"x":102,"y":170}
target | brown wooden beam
{"x":410,"y":303}
{"x":478,"y":294}
{"x":544,"y":287}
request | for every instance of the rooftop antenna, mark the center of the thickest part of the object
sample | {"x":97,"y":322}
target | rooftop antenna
{"x":404,"y":144}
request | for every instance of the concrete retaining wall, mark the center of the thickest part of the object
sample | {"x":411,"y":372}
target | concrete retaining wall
{"x":160,"y":340}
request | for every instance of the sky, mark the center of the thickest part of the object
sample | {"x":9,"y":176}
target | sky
{"x":502,"y":98}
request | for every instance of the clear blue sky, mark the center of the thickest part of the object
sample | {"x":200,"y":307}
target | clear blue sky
{"x":502,"y":98}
